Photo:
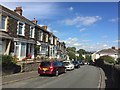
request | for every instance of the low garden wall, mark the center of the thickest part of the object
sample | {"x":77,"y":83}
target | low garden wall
{"x":112,"y":72}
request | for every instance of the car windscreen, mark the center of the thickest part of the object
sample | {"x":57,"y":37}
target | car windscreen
{"x":45,"y":64}
{"x":75,"y":62}
{"x":66,"y":63}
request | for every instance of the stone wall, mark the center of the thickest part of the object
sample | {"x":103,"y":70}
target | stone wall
{"x":33,"y":66}
{"x":112,"y":73}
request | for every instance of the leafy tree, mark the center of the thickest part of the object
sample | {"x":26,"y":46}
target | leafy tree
{"x":81,"y":51}
{"x":71,"y":52}
{"x":71,"y":55}
{"x":88,"y":58}
{"x":80,"y":57}
{"x":72,"y":49}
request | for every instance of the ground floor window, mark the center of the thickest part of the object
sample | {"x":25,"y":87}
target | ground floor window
{"x":20,"y":49}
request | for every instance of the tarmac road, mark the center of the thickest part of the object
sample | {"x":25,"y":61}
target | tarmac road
{"x":85,"y":77}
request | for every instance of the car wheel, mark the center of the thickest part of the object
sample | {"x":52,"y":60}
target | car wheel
{"x":65,"y":71}
{"x":56,"y":73}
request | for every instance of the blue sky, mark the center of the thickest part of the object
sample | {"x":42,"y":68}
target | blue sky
{"x":84,"y":25}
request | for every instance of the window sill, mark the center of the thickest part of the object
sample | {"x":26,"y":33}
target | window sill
{"x":20,"y":35}
{"x":3,"y":30}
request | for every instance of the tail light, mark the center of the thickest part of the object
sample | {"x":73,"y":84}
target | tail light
{"x":51,"y":68}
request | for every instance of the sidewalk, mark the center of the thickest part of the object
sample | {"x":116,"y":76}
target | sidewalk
{"x":19,"y":76}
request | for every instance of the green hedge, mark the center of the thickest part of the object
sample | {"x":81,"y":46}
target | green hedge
{"x":107,"y":59}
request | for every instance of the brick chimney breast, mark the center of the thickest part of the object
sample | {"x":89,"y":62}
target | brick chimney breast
{"x":18,"y":10}
{"x":34,"y":21}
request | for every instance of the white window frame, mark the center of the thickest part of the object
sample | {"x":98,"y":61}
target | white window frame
{"x":33,"y":31}
{"x":3,"y":29}
{"x":20,"y":46}
{"x":41,"y":36}
{"x":46,"y":37}
{"x":23,"y":29}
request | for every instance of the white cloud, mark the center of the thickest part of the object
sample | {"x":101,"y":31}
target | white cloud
{"x":114,"y":20}
{"x":71,"y":8}
{"x":105,"y":36}
{"x":116,"y":41}
{"x":82,"y":29}
{"x":82,"y":20}
{"x":81,"y":44}
{"x":105,"y":45}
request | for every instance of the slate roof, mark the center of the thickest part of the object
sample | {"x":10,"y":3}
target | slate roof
{"x":108,"y":51}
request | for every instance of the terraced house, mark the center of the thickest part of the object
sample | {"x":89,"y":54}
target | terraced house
{"x":21,"y":37}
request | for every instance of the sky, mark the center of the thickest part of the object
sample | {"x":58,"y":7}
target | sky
{"x":85,"y":25}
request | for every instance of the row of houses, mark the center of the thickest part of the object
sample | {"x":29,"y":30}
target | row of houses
{"x":21,"y":37}
{"x":113,"y":52}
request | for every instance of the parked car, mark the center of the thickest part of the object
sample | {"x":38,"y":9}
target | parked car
{"x":51,"y":68}
{"x":76,"y":64}
{"x":68,"y":64}
{"x":81,"y":62}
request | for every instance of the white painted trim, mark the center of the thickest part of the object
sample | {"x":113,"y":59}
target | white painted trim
{"x":23,"y":29}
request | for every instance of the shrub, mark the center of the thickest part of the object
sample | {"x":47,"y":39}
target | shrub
{"x":118,"y":60}
{"x":8,"y":62}
{"x":107,"y":59}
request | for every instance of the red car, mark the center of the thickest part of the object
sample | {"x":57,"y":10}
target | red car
{"x":51,"y":68}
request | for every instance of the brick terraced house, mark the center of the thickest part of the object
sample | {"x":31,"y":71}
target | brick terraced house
{"x":19,"y":37}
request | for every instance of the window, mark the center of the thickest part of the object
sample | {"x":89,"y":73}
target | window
{"x":17,"y":46}
{"x":46,"y":37}
{"x":21,"y":29}
{"x":23,"y":49}
{"x":31,"y":32}
{"x":20,"y":49}
{"x":3,"y":22}
{"x":41,"y":36}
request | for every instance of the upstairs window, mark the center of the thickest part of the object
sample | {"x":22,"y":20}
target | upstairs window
{"x":41,"y":36}
{"x":46,"y":37}
{"x":32,"y":32}
{"x":21,"y":28}
{"x":3,"y":23}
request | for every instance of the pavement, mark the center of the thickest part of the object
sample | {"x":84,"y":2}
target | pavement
{"x":18,"y":77}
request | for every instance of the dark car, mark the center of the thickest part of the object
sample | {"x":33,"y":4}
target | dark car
{"x":51,"y":68}
{"x":76,"y":64}
{"x":81,"y":62}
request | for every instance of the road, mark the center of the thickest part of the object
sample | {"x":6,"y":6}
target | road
{"x":85,"y":77}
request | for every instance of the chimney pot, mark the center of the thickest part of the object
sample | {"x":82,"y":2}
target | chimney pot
{"x":113,"y":47}
{"x":34,"y":21}
{"x":18,"y":10}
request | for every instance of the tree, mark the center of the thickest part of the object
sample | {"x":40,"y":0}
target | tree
{"x":88,"y":58}
{"x":71,"y":55}
{"x":71,"y":52}
{"x":73,"y":49}
{"x":81,"y":51}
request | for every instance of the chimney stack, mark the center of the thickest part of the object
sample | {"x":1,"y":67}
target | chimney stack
{"x":18,"y":10}
{"x":113,"y":48}
{"x":44,"y":27}
{"x":34,"y":21}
